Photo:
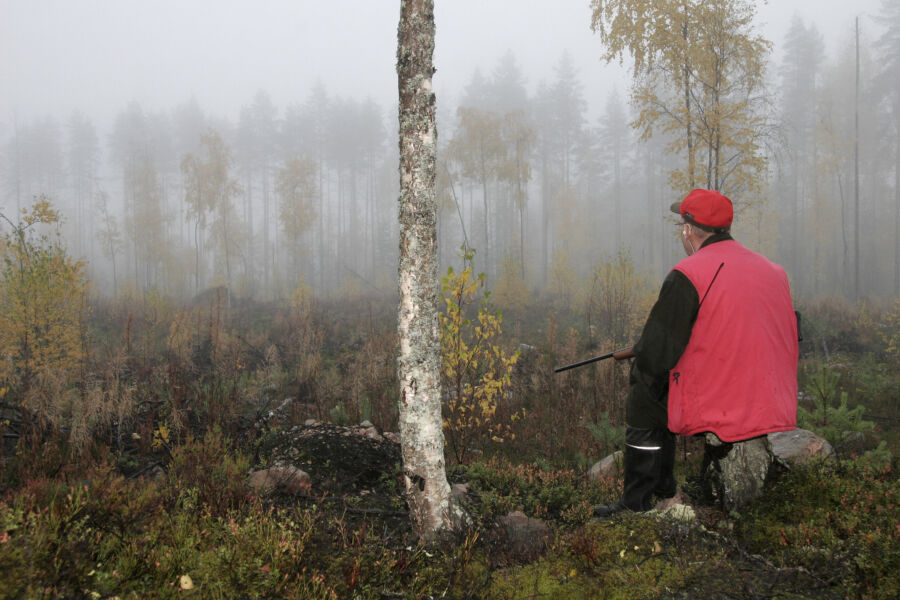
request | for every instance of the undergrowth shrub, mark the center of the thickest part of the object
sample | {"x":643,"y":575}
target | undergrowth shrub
{"x":42,"y":310}
{"x":113,"y":537}
{"x":560,"y":407}
{"x":476,"y":369}
{"x":841,"y":522}
{"x":609,"y":436}
{"x":163,"y":538}
{"x":831,"y":417}
{"x":211,"y":470}
{"x":562,"y":494}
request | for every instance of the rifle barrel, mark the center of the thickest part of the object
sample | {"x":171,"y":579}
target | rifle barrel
{"x":617,"y":354}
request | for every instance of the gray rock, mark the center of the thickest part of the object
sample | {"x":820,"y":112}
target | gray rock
{"x":737,"y":471}
{"x":609,"y":467}
{"x":459,"y":489}
{"x":280,"y":477}
{"x":524,"y":539}
{"x":156,"y":472}
{"x":799,"y":446}
{"x":372,"y":434}
{"x":460,"y":493}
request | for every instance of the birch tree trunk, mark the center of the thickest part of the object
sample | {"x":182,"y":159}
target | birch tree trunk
{"x":421,"y":436}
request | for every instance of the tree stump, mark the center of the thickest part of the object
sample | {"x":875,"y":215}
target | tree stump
{"x":734,"y":473}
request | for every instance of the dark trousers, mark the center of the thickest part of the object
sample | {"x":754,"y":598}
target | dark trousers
{"x":649,"y":467}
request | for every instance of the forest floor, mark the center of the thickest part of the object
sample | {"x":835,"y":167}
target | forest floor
{"x":195,"y":528}
{"x":356,"y":481}
{"x":156,"y":503}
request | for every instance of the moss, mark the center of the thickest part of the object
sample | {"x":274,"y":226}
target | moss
{"x":553,"y":577}
{"x":635,"y":556}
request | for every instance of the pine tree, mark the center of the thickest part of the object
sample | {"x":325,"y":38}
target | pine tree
{"x":888,"y":87}
{"x":209,"y":191}
{"x":296,"y":185}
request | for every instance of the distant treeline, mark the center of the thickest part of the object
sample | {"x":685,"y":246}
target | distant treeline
{"x":179,"y":201}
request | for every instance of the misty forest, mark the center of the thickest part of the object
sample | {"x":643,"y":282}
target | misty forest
{"x":178,"y":201}
{"x":188,"y":300}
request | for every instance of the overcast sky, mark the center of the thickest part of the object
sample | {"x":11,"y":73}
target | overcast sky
{"x":97,"y":55}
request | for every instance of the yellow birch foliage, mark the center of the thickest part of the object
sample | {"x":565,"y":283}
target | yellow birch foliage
{"x":475,"y":370}
{"x":699,"y":72}
{"x":42,"y":304}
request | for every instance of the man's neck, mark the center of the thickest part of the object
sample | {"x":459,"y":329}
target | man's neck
{"x":716,"y":237}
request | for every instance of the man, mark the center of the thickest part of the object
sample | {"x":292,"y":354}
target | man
{"x":717,"y":354}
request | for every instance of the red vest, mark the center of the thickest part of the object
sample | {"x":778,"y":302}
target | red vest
{"x":738,"y":375}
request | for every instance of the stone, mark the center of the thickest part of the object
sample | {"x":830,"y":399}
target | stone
{"x":366,"y":424}
{"x":609,"y":467}
{"x":280,"y":477}
{"x":667,"y":504}
{"x":310,"y":422}
{"x":156,"y":473}
{"x":524,"y":539}
{"x":460,"y":491}
{"x":735,"y":473}
{"x":372,"y":434}
{"x":800,"y":446}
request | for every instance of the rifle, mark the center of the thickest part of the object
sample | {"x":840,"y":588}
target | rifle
{"x":629,"y":352}
{"x":618,"y":355}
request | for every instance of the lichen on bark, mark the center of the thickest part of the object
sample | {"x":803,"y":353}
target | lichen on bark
{"x":432,"y":507}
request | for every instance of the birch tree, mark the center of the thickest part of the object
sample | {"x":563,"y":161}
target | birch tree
{"x":427,"y":491}
{"x":42,"y":307}
{"x":699,"y":77}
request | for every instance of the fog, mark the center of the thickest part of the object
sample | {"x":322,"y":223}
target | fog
{"x":102,"y":101}
{"x":97,"y":55}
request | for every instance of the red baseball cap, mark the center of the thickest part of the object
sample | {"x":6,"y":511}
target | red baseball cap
{"x":706,"y":207}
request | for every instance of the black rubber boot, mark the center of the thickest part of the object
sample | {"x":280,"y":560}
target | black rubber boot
{"x":666,"y":486}
{"x":643,"y":453}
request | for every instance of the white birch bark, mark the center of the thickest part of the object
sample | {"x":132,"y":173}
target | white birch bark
{"x":421,"y":436}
